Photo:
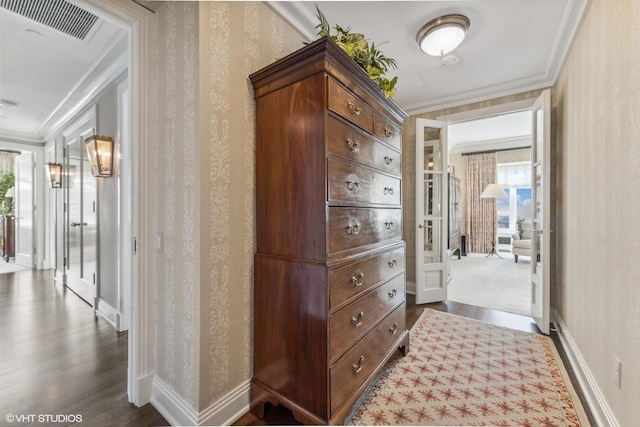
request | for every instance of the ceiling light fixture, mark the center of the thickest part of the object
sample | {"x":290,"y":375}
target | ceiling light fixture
{"x":442,"y":35}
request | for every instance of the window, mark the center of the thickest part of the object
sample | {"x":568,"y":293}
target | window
{"x":515,"y":178}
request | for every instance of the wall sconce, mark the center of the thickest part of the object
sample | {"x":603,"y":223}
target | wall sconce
{"x":100,"y":153}
{"x":55,"y":175}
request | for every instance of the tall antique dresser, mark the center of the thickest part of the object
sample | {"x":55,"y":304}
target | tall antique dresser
{"x":329,"y":287}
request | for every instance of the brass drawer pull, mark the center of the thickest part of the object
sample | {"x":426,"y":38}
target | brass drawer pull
{"x":357,"y":367}
{"x":358,"y":280}
{"x":388,"y":160}
{"x":394,"y":328}
{"x":353,"y":185}
{"x":388,"y":190}
{"x":355,"y":111}
{"x":388,"y":132}
{"x":357,"y":321}
{"x":388,"y":225}
{"x":393,"y":263}
{"x":353,"y":229}
{"x":393,"y":293}
{"x":353,"y":145}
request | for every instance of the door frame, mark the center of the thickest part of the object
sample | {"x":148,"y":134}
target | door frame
{"x":29,"y":259}
{"x":136,"y":20}
{"x":510,"y":107}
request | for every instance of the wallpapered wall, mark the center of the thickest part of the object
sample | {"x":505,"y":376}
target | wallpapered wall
{"x":598,"y":95}
{"x":409,"y":167}
{"x":173,"y":179}
{"x":237,"y":38}
{"x":202,"y":179}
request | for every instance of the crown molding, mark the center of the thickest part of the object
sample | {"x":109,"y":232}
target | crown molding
{"x":297,"y":16}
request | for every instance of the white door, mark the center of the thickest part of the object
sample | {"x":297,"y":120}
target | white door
{"x":24,"y":210}
{"x":81,"y":221}
{"x":431,"y":211}
{"x":540,"y":199}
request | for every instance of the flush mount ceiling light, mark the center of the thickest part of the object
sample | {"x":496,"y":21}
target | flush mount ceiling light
{"x":442,"y":35}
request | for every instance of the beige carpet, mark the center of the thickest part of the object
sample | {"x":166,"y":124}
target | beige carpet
{"x":461,"y":371}
{"x":491,"y":282}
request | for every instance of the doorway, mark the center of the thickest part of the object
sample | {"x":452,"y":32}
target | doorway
{"x":495,"y":281}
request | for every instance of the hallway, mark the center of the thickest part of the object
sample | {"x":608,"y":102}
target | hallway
{"x":58,"y":358}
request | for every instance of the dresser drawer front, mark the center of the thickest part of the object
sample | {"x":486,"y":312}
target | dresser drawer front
{"x":353,"y":144}
{"x":349,"y":281}
{"x":387,"y":131}
{"x":351,"y":322}
{"x":352,"y":369}
{"x":351,"y":184}
{"x":349,"y":106}
{"x":354,"y":227}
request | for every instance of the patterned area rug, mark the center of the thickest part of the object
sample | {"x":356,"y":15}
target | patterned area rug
{"x":465,"y":372}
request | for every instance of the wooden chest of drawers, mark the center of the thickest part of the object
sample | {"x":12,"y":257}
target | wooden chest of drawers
{"x":329,"y":286}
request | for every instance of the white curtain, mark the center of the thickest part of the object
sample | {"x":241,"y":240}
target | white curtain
{"x":517,"y":174}
{"x":6,"y":160}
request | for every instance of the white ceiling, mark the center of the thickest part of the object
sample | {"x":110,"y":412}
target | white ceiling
{"x":47,"y":73}
{"x":512,"y":46}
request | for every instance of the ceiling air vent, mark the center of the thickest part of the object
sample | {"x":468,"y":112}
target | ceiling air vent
{"x":57,"y":14}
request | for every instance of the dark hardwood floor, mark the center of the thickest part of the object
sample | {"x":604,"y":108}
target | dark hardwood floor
{"x":58,"y":358}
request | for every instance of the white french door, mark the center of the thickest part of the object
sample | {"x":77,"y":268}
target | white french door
{"x":24,"y":210}
{"x":81,"y":221}
{"x":431,"y":211}
{"x":540,"y":199}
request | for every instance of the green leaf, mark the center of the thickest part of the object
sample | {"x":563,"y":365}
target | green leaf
{"x":356,"y":46}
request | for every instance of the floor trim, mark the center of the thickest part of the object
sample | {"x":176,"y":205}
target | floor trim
{"x":227,"y":410}
{"x":171,"y":405}
{"x":598,"y":405}
{"x":177,"y":411}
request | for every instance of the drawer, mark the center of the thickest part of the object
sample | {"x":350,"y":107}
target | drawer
{"x":353,"y":184}
{"x":348,"y":281}
{"x":354,"y":227}
{"x":351,"y":322}
{"x":346,"y":141}
{"x":349,"y":106}
{"x":387,"y":131}
{"x":353,"y":369}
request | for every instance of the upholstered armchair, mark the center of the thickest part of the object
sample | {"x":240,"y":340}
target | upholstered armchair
{"x":521,"y":241}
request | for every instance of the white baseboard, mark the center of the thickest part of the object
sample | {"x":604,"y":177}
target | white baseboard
{"x":178,"y":412}
{"x":228,"y":409}
{"x":171,"y":405}
{"x":108,"y":313}
{"x":411,"y":287}
{"x":140,"y":392}
{"x":598,"y":405}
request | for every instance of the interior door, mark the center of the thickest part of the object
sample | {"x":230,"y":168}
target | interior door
{"x":540,"y":198}
{"x":81,"y":221}
{"x":24,"y":210}
{"x":431,"y":211}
